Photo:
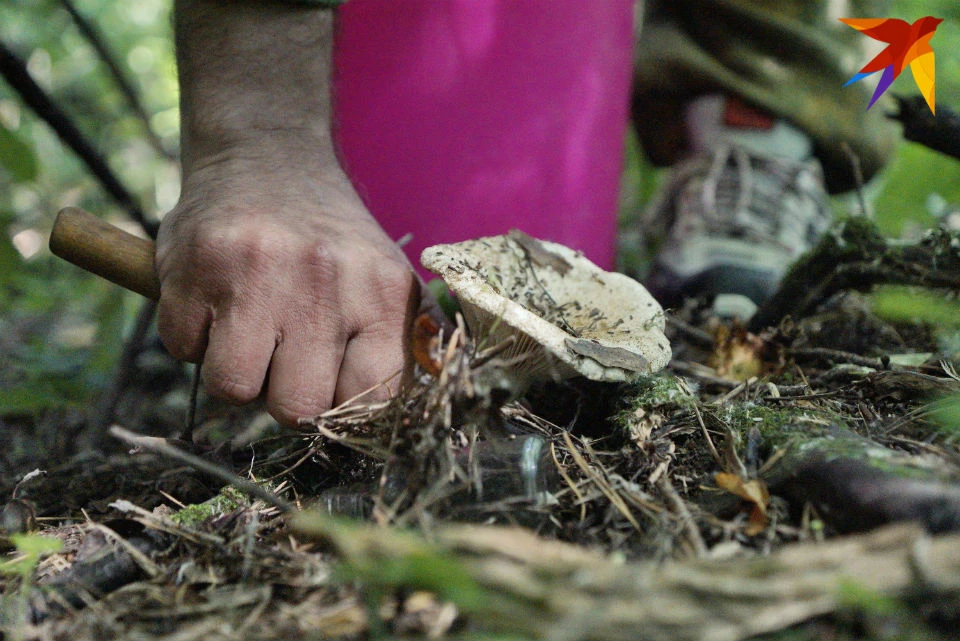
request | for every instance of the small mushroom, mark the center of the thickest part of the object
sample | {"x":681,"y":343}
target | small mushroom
{"x":560,"y":314}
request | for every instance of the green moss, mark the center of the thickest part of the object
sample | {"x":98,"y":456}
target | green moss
{"x":779,"y":423}
{"x":656,"y":391}
{"x":227,"y":500}
{"x":663,"y":393}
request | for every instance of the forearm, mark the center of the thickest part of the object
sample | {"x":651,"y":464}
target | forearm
{"x":253,"y":75}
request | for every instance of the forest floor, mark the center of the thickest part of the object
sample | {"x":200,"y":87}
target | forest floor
{"x":796,"y":480}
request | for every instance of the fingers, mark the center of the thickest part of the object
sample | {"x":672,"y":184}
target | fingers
{"x":238,"y":354}
{"x":308,"y":303}
{"x":373,"y":360}
{"x":182,"y":324}
{"x":377,"y":357}
{"x":303,"y":373}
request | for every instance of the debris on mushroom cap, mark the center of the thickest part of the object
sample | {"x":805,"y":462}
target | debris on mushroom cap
{"x":566,"y":315}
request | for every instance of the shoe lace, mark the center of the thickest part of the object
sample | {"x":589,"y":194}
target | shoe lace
{"x":735,"y":192}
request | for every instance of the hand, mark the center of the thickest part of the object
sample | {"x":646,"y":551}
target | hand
{"x":278,"y":277}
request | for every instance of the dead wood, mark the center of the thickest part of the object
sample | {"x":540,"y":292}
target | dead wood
{"x":105,"y":561}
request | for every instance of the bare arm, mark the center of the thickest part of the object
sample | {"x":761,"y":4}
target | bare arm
{"x":272,"y":271}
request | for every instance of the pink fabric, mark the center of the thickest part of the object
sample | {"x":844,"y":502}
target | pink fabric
{"x":465,"y":118}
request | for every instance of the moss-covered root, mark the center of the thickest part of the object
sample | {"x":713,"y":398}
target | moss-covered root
{"x":856,"y":485}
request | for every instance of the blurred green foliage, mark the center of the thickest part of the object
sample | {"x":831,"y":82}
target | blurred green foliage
{"x":916,"y":173}
{"x":60,"y":330}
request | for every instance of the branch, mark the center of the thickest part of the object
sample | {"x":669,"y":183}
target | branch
{"x":939,"y":132}
{"x":116,"y":72}
{"x":14,"y":71}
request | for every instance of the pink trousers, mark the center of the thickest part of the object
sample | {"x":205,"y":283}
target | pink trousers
{"x":465,"y":118}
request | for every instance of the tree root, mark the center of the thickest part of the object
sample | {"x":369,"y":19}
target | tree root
{"x":856,"y":257}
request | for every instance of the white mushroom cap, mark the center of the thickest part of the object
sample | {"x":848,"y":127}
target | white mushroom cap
{"x":567,"y":316}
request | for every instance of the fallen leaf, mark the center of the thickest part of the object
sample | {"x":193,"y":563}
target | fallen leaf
{"x":754,"y":491}
{"x":738,"y":354}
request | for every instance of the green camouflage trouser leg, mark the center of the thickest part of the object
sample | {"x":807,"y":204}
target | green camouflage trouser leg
{"x":790,"y":57}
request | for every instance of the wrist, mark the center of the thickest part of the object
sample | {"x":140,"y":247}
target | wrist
{"x":258,"y":155}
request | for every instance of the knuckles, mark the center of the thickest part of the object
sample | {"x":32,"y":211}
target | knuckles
{"x":298,"y":278}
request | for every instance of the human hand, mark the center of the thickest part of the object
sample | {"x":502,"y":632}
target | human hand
{"x":278,"y":278}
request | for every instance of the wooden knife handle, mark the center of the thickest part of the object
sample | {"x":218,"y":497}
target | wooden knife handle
{"x":105,"y":250}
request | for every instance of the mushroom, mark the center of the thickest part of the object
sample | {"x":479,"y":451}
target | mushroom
{"x":558,"y":313}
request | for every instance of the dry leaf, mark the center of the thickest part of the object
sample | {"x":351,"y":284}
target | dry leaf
{"x":740,"y":355}
{"x":754,"y":491}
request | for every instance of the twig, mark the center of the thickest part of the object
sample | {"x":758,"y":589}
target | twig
{"x":512,"y":583}
{"x":857,"y":177}
{"x":679,"y":508}
{"x":162,"y":447}
{"x":190,"y":423}
{"x":857,"y":257}
{"x":142,"y":560}
{"x":940,"y":133}
{"x":701,"y":372}
{"x":124,"y":368}
{"x":601,"y":482}
{"x":838,"y":355}
{"x":694,"y":335}
{"x":119,"y":77}
{"x":703,"y":427}
{"x":573,"y":486}
{"x":14,"y":71}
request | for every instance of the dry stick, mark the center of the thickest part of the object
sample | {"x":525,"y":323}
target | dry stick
{"x":191,"y":418}
{"x":701,"y":372}
{"x":142,"y":560}
{"x":739,"y":389}
{"x":602,"y":483}
{"x":124,"y":368}
{"x":838,"y":355}
{"x":940,"y":132}
{"x":713,"y":450}
{"x":348,"y":404}
{"x":162,"y":447}
{"x":857,"y":177}
{"x":573,"y":486}
{"x":693,"y":334}
{"x":119,"y":77}
{"x":857,"y":257}
{"x":679,"y":508}
{"x":14,"y":71}
{"x":517,"y":584}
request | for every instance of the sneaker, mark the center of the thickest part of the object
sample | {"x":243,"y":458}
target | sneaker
{"x":736,"y":216}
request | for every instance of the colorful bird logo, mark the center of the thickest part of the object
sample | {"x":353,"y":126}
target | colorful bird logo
{"x":907,"y":44}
